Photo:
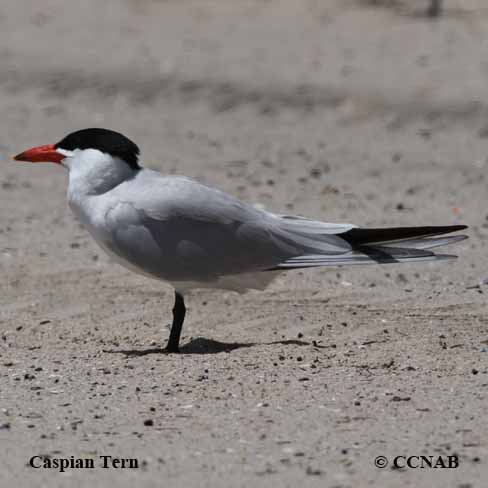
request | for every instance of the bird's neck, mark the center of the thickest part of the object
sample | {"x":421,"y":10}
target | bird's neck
{"x":96,"y":173}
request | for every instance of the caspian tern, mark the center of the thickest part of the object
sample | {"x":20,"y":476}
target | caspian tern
{"x":190,"y":235}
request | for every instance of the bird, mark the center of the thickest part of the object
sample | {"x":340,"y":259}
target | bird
{"x":190,"y":235}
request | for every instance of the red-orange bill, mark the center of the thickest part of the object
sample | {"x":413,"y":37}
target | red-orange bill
{"x":40,"y":154}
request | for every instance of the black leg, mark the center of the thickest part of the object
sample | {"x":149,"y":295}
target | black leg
{"x":179,"y":311}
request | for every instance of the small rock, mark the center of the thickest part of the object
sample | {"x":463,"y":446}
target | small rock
{"x":397,"y":398}
{"x":401,"y":278}
{"x":313,"y":472}
{"x":315,"y":172}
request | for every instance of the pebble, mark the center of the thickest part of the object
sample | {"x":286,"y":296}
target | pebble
{"x":397,"y":398}
{"x":313,"y":472}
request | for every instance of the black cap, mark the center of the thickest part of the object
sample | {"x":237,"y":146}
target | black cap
{"x":107,"y":141}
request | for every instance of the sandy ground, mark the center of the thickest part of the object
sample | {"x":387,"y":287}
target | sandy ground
{"x":354,"y":111}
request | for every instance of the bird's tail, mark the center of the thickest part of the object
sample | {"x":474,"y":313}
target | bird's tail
{"x":388,"y":245}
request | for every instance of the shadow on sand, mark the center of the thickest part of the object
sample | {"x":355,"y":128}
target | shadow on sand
{"x":200,"y":345}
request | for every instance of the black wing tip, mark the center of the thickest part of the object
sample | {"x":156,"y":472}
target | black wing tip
{"x":437,"y":229}
{"x":456,"y":228}
{"x":360,"y":236}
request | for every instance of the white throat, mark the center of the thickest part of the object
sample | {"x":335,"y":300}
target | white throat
{"x":92,"y":172}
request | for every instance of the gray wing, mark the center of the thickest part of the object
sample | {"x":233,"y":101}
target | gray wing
{"x":178,"y":229}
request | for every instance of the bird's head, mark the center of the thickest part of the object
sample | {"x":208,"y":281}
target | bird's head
{"x":85,"y":145}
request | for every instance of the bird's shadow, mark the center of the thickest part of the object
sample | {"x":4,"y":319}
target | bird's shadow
{"x":200,"y":345}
